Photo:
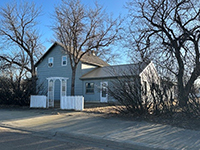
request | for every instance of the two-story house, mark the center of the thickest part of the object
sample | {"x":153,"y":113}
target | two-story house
{"x":93,"y":75}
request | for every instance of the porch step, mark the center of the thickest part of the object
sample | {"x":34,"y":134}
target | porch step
{"x":56,"y":104}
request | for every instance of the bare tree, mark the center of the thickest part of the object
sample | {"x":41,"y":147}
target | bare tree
{"x":81,"y":29}
{"x":169,"y":31}
{"x":18,"y":32}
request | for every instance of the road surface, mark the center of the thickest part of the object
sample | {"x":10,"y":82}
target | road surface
{"x":18,"y":140}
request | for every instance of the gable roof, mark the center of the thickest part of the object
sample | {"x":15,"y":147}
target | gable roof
{"x":116,"y":71}
{"x":90,"y":59}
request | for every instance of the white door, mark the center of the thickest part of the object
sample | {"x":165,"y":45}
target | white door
{"x":104,"y":92}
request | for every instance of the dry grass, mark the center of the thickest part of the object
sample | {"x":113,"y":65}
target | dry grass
{"x":103,"y":108}
{"x":177,"y":119}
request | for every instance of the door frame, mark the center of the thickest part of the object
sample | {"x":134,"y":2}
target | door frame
{"x":104,"y":91}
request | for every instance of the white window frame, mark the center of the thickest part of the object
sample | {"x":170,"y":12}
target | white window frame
{"x":62,"y":61}
{"x":49,"y":62}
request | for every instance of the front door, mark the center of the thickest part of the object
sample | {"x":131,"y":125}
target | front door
{"x":104,"y":92}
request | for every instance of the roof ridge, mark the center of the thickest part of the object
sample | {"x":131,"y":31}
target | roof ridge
{"x":90,"y":59}
{"x":129,"y":64}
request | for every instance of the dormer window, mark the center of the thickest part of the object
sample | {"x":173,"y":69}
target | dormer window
{"x":64,"y":61}
{"x":50,"y":62}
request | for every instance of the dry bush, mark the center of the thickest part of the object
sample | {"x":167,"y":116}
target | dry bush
{"x":14,"y":93}
{"x":160,"y":100}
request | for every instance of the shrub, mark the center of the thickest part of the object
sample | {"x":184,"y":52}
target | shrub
{"x":13,"y":92}
{"x":130,"y":93}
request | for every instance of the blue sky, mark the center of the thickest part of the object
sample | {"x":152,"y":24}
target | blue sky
{"x":115,"y":7}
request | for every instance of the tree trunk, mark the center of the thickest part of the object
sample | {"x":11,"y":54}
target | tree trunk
{"x":73,"y":81}
{"x":33,"y":80}
{"x":182,"y":93}
{"x":185,"y":91}
{"x":183,"y":98}
{"x":33,"y":77}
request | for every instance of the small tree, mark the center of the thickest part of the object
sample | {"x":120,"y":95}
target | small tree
{"x":81,"y":30}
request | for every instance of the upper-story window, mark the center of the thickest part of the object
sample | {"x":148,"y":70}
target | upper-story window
{"x":50,"y":62}
{"x":64,"y":61}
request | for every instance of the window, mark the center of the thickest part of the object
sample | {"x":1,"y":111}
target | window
{"x":64,"y":61}
{"x":145,"y":87}
{"x":50,"y":62}
{"x":89,"y":88}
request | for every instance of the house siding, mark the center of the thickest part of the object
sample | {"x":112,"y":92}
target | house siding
{"x":95,"y":97}
{"x":91,"y":96}
{"x":44,"y":72}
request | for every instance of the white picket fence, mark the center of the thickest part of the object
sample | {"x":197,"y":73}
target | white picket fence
{"x":38,"y":101}
{"x":72,"y":102}
{"x":66,"y":102}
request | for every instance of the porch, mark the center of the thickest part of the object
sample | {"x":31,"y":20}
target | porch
{"x":65,"y":102}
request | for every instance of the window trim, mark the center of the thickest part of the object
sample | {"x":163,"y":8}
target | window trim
{"x":49,"y":62}
{"x":62,"y":60}
{"x":89,"y":88}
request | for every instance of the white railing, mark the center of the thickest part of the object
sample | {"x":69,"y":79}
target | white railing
{"x":72,"y":102}
{"x":38,"y":101}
